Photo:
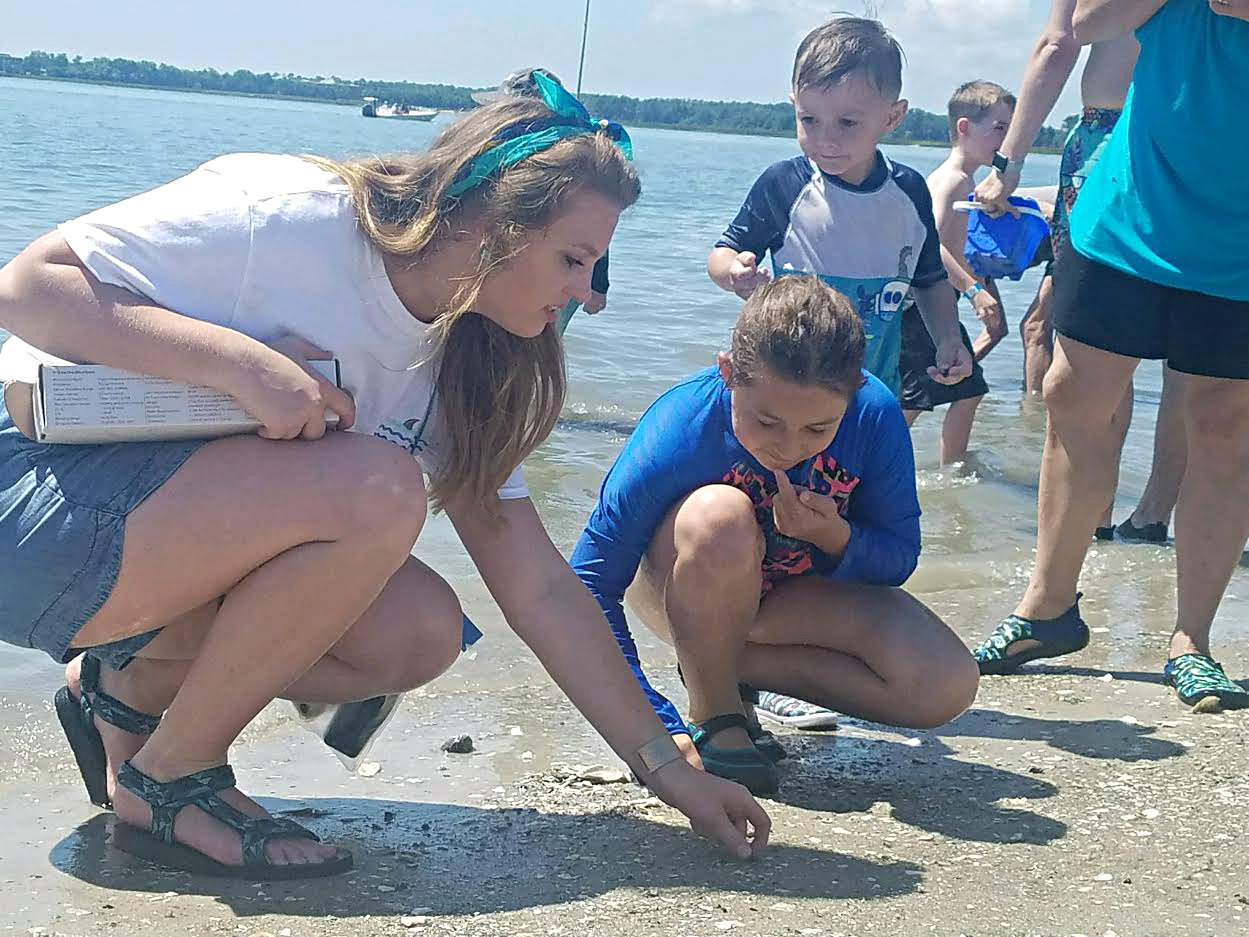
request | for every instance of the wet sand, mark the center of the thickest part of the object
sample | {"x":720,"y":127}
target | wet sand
{"x":1077,"y":799}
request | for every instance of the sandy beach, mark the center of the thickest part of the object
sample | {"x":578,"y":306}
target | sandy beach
{"x":1077,"y":799}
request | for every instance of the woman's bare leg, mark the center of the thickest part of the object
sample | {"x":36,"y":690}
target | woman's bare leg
{"x":1120,"y":423}
{"x":1170,"y":455}
{"x":300,"y":538}
{"x":406,"y":638}
{"x":1036,"y":330}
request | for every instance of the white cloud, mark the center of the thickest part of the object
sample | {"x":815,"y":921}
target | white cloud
{"x":946,"y":42}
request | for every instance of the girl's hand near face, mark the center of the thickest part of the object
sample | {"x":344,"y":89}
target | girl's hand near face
{"x":289,"y":399}
{"x":805,"y":515}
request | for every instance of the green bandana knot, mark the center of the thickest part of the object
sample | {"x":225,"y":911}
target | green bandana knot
{"x":520,"y":141}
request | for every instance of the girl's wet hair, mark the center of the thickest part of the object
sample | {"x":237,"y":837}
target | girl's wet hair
{"x":498,"y":394}
{"x":800,"y":329}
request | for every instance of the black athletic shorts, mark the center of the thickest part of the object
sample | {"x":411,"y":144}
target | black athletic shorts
{"x":1117,"y":312}
{"x":919,"y":391}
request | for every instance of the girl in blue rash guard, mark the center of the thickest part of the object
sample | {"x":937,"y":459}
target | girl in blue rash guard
{"x":761,"y":516}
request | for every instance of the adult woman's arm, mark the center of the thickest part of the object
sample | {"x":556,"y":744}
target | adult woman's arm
{"x":51,"y":300}
{"x":1053,"y":57}
{"x":1096,"y":20}
{"x":555,"y":615}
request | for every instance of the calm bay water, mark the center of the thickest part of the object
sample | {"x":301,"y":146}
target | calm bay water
{"x":66,"y":148}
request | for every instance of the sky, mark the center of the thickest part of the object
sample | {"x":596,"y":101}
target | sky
{"x":728,"y":50}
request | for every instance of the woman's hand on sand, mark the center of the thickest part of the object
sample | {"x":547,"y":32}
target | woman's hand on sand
{"x":718,"y":809}
{"x":286,"y":396}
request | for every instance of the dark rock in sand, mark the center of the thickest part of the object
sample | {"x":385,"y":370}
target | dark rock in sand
{"x":459,"y":745}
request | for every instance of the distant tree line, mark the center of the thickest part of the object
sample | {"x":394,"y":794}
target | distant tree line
{"x":919,"y":126}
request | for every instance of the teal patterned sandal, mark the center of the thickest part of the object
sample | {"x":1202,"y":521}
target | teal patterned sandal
{"x":77,"y":717}
{"x":168,"y":798}
{"x":1201,"y":683}
{"x":747,"y":766}
{"x":1055,"y":637}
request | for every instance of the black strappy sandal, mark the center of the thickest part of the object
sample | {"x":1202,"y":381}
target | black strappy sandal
{"x":77,"y":717}
{"x":765,"y":741}
{"x":168,"y":798}
{"x":747,"y":766}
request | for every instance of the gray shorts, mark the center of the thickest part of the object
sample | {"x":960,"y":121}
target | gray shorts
{"x":63,"y":516}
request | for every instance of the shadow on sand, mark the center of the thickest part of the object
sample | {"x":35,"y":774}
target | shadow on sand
{"x":464,"y":860}
{"x":927,"y":787}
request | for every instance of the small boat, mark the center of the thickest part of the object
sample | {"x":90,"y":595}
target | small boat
{"x":372,"y":108}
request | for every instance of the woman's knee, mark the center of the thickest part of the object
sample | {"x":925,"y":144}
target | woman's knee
{"x":1217,"y":422}
{"x":380,"y":493}
{"x":415,"y":651}
{"x":716,"y":528}
{"x":1062,"y":392}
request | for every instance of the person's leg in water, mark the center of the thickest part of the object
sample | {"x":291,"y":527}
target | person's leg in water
{"x":1078,"y":471}
{"x":341,"y":511}
{"x":407,"y":637}
{"x":1149,"y":522}
{"x":991,"y":333}
{"x":1119,"y":425}
{"x":1036,"y":332}
{"x":956,"y":429}
{"x":1211,"y":525}
{"x":919,"y":393}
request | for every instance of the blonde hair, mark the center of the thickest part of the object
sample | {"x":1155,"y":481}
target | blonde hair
{"x":800,"y":329}
{"x":849,"y":45}
{"x":498,"y":394}
{"x":973,"y":100}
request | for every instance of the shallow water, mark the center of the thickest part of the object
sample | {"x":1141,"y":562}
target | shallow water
{"x":67,"y":148}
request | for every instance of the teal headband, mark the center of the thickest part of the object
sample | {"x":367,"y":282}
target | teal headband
{"x":520,"y":141}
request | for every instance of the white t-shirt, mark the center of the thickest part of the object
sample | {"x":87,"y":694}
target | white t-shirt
{"x":269,"y":245}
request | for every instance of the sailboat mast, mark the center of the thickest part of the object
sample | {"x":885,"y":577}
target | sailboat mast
{"x":585,"y":28}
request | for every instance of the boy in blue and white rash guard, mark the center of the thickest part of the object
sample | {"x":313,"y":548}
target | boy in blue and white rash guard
{"x":762,"y":511}
{"x":843,"y":210}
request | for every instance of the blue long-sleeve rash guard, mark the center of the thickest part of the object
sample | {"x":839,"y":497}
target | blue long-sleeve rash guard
{"x":686,"y":441}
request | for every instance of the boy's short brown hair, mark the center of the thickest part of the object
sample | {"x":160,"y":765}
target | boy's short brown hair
{"x":848,"y":45}
{"x":973,"y":100}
